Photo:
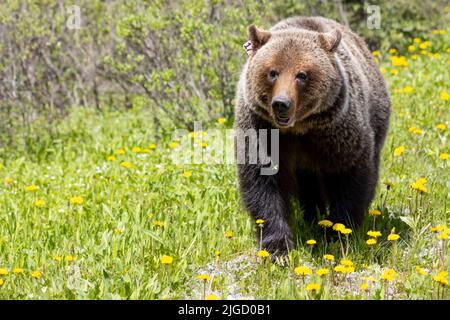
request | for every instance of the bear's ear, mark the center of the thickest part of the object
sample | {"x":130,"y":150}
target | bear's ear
{"x":258,"y":37}
{"x":330,"y":40}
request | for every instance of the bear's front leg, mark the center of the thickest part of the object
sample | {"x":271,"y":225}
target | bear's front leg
{"x":349,"y":195}
{"x":264,"y":199}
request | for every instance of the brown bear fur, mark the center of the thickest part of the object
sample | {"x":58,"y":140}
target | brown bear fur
{"x":332,"y":133}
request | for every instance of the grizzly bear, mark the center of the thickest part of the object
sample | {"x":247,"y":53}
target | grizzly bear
{"x":315,"y":81}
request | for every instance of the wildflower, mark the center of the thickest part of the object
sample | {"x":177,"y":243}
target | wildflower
{"x":364,"y":286}
{"x":57,"y":258}
{"x":3,"y":272}
{"x":411,"y":48}
{"x":136,"y":149}
{"x":311,"y":242}
{"x":322,"y":272}
{"x":408,"y":89}
{"x":39,"y":203}
{"x":415,"y":130}
{"x":203,"y":133}
{"x":376,"y":53}
{"x":414,"y":57}
{"x":313,"y":287}
{"x":18,"y":270}
{"x":383,"y":70}
{"x":70,"y":258}
{"x":417,"y":40}
{"x":8,"y":181}
{"x":444,"y":95}
{"x":36,"y":274}
{"x":126,"y":164}
{"x":347,"y":262}
{"x":444,"y":156}
{"x":221,"y":120}
{"x":338,"y":227}
{"x":158,"y":223}
{"x":392,"y":51}
{"x":203,"y":145}
{"x":374,"y":234}
{"x":187,"y":174}
{"x":111,"y":158}
{"x":339,"y":268}
{"x":394,"y":71}
{"x":204,"y":277}
{"x":192,"y":134}
{"x":166,"y":260}
{"x":399,"y":61}
{"x":369,"y":279}
{"x":419,"y":185}
{"x":388,"y":275}
{"x":441,"y":127}
{"x":399,"y":151}
{"x":325,"y":223}
{"x":1,"y":282}
{"x":120,"y":151}
{"x":443,"y":235}
{"x":346,"y":231}
{"x":173,"y":144}
{"x":393,"y":237}
{"x":438,"y":228}
{"x":217,"y":253}
{"x":260,"y":222}
{"x":119,"y":230}
{"x":76,"y":200}
{"x":421,"y":271}
{"x":441,"y":278}
{"x":32,"y":188}
{"x":212,"y":297}
{"x":229,"y":234}
{"x":152,"y":146}
{"x":371,"y":242}
{"x":302,"y":271}
{"x":263,"y":254}
{"x":374,"y":212}
{"x":328,"y":257}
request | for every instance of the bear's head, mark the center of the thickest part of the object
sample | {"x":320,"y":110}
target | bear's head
{"x":292,"y":73}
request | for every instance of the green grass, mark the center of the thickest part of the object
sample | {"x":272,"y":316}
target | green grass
{"x":117,"y":248}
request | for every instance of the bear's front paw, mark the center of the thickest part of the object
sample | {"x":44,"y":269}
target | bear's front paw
{"x":278,"y":246}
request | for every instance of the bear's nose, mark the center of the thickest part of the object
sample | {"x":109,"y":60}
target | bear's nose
{"x":281,"y":105}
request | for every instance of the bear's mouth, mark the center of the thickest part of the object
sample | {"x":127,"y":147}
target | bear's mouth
{"x":283,"y":121}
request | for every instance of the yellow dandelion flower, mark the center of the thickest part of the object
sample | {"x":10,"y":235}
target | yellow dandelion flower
{"x":444,"y":156}
{"x":417,"y":40}
{"x":229,"y":234}
{"x":111,"y":158}
{"x":338,"y":227}
{"x":311,"y":242}
{"x":192,"y":134}
{"x":364,"y":286}
{"x":158,"y":223}
{"x":421,"y":271}
{"x":438,"y":228}
{"x":388,"y":275}
{"x":187,"y":174}
{"x":414,"y":57}
{"x":36,"y":274}
{"x":444,"y":95}
{"x":203,"y":145}
{"x":203,"y":133}
{"x":32,"y":188}
{"x":346,"y":231}
{"x":152,"y":146}
{"x":217,"y":253}
{"x":57,"y":258}
{"x":376,"y":53}
{"x":374,"y":234}
{"x":166,"y":260}
{"x":325,"y":223}
{"x":339,"y":268}
{"x":76,"y":200}
{"x":399,"y":151}
{"x":119,"y":231}
{"x":415,"y":130}
{"x":328,"y":257}
{"x":302,"y":271}
{"x":203,"y":277}
{"x":443,"y":235}
{"x":173,"y":144}
{"x":221,"y":120}
{"x":259,"y":221}
{"x":392,"y":51}
{"x":120,"y":151}
{"x":374,"y":212}
{"x":8,"y":181}
{"x":18,"y":270}
{"x":322,"y":272}
{"x":394,"y":71}
{"x":39,"y":203}
{"x":263,"y":254}
{"x":441,"y":278}
{"x":369,"y":279}
{"x":136,"y":149}
{"x":347,"y":262}
{"x":212,"y":297}
{"x":419,"y":185}
{"x":313,"y":287}
{"x":441,"y":127}
{"x":393,"y":237}
{"x":70,"y":258}
{"x":126,"y":164}
{"x":371,"y":242}
{"x":3,"y":272}
{"x":1,"y":282}
{"x":408,"y":89}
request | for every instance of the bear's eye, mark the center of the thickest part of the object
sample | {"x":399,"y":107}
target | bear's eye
{"x":301,"y":76}
{"x":273,"y":75}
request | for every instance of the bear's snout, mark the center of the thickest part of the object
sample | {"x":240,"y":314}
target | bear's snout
{"x":281,"y":107}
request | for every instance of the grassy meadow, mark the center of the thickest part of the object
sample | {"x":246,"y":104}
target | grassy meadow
{"x":97,"y":210}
